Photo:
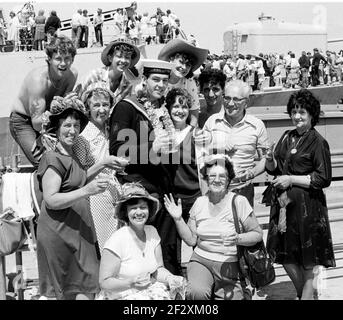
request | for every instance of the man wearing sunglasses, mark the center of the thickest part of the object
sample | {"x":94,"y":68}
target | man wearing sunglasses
{"x":241,"y":135}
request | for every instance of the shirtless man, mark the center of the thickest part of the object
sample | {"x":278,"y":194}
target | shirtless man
{"x":36,"y":93}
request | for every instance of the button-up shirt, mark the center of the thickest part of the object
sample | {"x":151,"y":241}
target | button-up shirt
{"x":243,"y":139}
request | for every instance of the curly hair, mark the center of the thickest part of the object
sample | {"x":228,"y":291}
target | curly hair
{"x":98,"y":91}
{"x":124,"y":49}
{"x":225,"y":162}
{"x":212,"y":76}
{"x":61,"y":44}
{"x":178,"y":92}
{"x":185,"y":56}
{"x":306,"y":100}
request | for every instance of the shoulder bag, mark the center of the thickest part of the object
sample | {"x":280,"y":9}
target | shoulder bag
{"x":254,"y":261}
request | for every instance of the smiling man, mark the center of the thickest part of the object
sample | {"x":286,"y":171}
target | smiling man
{"x":212,"y":83}
{"x":242,"y":135}
{"x":57,"y":78}
{"x":135,"y":125}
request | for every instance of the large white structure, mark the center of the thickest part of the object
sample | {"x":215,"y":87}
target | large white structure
{"x":269,"y":35}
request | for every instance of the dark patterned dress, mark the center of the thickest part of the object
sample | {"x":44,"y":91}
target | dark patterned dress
{"x":68,"y":261}
{"x":307,"y":240}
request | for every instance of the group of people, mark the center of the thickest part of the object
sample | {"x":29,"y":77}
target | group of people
{"x":289,"y":71}
{"x":144,"y":28}
{"x":129,"y":166}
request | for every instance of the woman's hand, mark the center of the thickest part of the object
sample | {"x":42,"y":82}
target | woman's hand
{"x":162,"y":141}
{"x":96,"y":186}
{"x":116,"y":163}
{"x":282,"y":182}
{"x":229,"y":239}
{"x":202,"y":137}
{"x":174,"y":210}
{"x":142,"y":281}
{"x":270,"y":152}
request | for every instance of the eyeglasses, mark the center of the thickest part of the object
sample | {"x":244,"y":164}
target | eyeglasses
{"x":235,"y":100}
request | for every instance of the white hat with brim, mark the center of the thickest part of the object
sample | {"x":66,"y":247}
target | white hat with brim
{"x":104,"y":54}
{"x":154,"y":66}
{"x":133,"y":190}
{"x":181,"y":46}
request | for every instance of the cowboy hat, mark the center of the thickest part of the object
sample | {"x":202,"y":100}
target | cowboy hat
{"x":133,"y":190}
{"x":98,"y":85}
{"x":104,"y":54}
{"x":181,"y":46}
{"x":60,"y":106}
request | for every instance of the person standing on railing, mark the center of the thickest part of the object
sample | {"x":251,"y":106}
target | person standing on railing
{"x":98,"y":23}
{"x":299,"y":235}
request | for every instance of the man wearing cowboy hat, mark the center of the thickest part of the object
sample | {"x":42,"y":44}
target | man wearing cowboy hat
{"x":36,"y":93}
{"x":134,"y":123}
{"x":185,"y":58}
{"x":118,"y":57}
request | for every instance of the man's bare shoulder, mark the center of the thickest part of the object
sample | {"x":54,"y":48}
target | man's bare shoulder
{"x":37,"y":79}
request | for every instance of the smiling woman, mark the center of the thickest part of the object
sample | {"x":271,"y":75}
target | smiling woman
{"x":213,"y":271}
{"x":132,"y":265}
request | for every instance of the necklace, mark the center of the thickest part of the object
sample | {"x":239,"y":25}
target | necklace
{"x":294,"y":148}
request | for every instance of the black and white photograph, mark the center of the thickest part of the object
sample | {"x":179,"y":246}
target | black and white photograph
{"x":179,"y":152}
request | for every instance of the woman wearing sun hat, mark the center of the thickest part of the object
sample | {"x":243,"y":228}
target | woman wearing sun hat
{"x":119,"y":58}
{"x":140,"y":129}
{"x":186,"y":58}
{"x":66,"y":243}
{"x":131,"y":265}
{"x":92,"y":146}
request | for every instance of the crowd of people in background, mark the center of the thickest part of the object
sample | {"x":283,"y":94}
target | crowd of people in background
{"x":281,"y":70}
{"x":129,"y":163}
{"x":27,"y":31}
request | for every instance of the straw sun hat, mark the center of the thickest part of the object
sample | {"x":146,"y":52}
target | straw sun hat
{"x":133,"y":190}
{"x":60,"y":106}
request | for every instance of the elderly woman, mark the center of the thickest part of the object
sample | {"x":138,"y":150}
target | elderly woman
{"x":66,"y":244}
{"x":132,"y":265}
{"x":186,"y":59}
{"x":299,"y":234}
{"x":213,"y":270}
{"x":92,"y":146}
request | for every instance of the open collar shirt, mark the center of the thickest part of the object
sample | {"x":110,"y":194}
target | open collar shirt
{"x":243,"y":139}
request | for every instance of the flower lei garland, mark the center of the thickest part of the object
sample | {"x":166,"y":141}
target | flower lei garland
{"x":159,"y":118}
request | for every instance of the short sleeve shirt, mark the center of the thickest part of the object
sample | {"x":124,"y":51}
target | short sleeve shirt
{"x":213,"y":219}
{"x":133,"y":261}
{"x":245,"y":137}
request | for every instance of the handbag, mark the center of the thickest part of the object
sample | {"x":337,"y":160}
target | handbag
{"x":13,"y":235}
{"x":254,"y":261}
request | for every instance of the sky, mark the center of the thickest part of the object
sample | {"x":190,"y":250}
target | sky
{"x":207,"y":20}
